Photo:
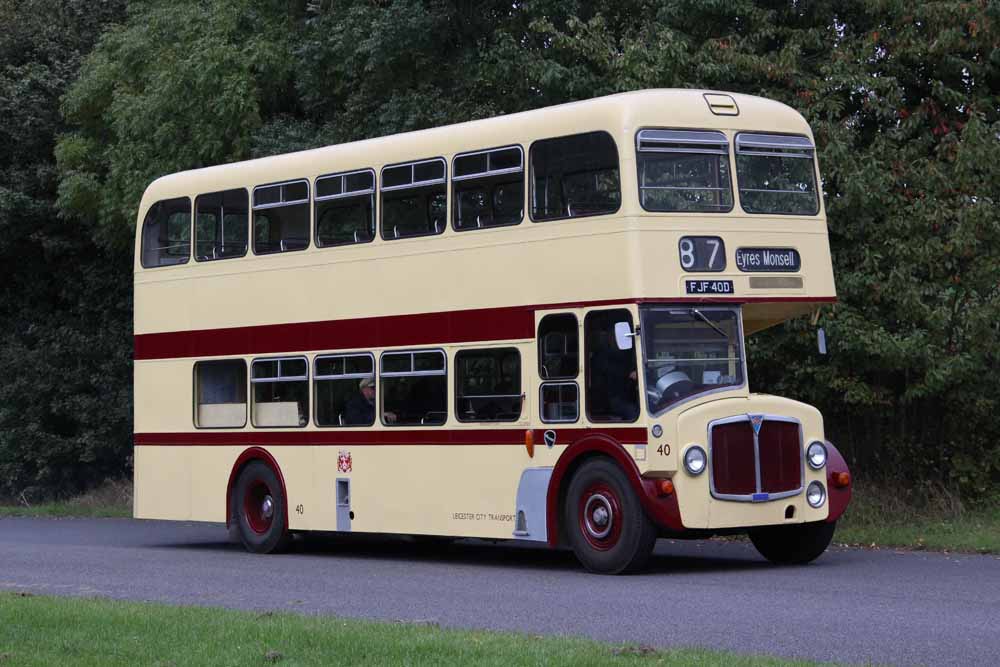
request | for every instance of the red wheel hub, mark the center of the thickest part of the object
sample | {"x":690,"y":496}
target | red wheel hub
{"x":600,"y":513}
{"x":258,"y":506}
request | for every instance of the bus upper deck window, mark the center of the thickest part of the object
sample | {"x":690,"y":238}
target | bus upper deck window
{"x":488,"y":188}
{"x":776,"y":174}
{"x":345,"y":208}
{"x":414,"y":199}
{"x":684,"y":170}
{"x":574,"y":176}
{"x":281,"y":217}
{"x":220,"y":225}
{"x":166,"y":233}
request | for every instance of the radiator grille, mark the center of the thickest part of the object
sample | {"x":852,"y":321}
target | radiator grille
{"x":765,"y":467}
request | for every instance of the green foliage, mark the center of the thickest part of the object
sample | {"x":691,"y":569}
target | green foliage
{"x":902,"y":98}
{"x":178,"y":86}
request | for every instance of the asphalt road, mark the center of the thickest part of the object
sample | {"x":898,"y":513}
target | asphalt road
{"x":851,"y":605}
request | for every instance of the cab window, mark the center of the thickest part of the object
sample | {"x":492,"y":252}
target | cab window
{"x":612,"y":374}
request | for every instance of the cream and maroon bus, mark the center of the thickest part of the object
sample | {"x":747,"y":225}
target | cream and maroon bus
{"x":527,"y":327}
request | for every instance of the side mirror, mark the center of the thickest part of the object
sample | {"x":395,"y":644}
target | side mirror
{"x":623,"y":335}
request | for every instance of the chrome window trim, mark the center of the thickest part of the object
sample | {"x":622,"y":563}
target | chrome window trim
{"x":684,"y":141}
{"x":292,"y":202}
{"x":541,"y":412}
{"x":411,"y":372}
{"x":749,"y":498}
{"x":412,"y":166}
{"x":743,"y":349}
{"x":343,"y":376}
{"x":489,"y":172}
{"x":774,"y":145}
{"x":342,"y":175}
{"x":279,"y":377}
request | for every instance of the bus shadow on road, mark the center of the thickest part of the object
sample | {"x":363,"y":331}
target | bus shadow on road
{"x":669,"y":558}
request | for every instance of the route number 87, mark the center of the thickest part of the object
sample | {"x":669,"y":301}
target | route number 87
{"x":702,"y":253}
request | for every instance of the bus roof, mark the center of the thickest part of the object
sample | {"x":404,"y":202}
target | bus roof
{"x":678,"y":108}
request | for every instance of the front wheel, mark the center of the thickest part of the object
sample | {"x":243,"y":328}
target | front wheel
{"x":793,"y":545}
{"x":606,"y":525}
{"x":258,"y":507}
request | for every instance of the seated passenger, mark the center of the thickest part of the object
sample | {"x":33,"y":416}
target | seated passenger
{"x":360,"y":409}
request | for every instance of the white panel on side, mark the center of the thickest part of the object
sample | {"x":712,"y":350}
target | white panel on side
{"x":532,"y":492}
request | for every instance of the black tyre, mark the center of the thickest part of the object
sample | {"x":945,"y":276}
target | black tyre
{"x":793,"y":545}
{"x":259,"y":509}
{"x":605,"y":523}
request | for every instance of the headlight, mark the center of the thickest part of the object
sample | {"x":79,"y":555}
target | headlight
{"x":695,"y":460}
{"x":816,"y":455}
{"x":815,"y":495}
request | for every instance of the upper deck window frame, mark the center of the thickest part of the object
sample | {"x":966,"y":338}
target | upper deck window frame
{"x":254,"y":207}
{"x":531,"y":176}
{"x":144,"y":246}
{"x":221,"y":224}
{"x":344,"y":194}
{"x":488,"y":173}
{"x":411,"y":185}
{"x":780,"y":145}
{"x":685,"y":141}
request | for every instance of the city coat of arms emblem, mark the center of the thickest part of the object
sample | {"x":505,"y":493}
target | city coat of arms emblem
{"x":344,"y":461}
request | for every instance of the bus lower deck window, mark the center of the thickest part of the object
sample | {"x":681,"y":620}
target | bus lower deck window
{"x":280,"y":392}
{"x":345,"y":390}
{"x":220,"y":393}
{"x":488,"y":385}
{"x":414,"y":388}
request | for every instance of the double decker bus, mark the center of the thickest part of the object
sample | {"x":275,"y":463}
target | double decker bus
{"x":527,"y":327}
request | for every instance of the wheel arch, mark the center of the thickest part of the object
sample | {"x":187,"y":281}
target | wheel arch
{"x":839,"y":497}
{"x":248,"y":456}
{"x":663,"y":511}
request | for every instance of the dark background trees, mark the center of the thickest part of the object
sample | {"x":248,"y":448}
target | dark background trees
{"x":97,"y":101}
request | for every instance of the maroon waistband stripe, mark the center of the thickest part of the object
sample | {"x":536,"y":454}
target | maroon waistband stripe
{"x":457,"y":326}
{"x":338,"y":438}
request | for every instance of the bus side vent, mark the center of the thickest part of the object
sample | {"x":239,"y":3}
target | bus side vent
{"x":722,"y":105}
{"x":344,"y":505}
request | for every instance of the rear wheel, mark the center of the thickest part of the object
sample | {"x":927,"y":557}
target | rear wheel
{"x":258,"y":507}
{"x":604,"y":520}
{"x":793,"y":545}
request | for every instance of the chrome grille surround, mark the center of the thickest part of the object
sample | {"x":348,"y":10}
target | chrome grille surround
{"x":759,"y":495}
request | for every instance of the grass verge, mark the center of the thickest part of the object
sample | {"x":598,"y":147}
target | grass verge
{"x":930,"y":518}
{"x":37,"y":630}
{"x":113,"y":498}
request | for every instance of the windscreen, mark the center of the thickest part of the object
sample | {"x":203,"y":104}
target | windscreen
{"x":689,"y":351}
